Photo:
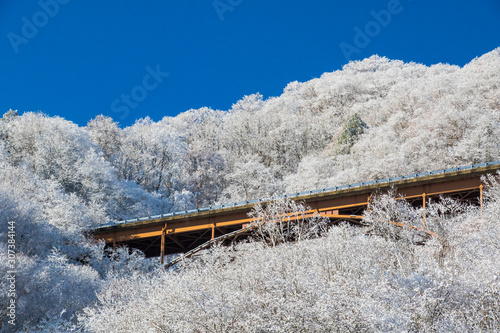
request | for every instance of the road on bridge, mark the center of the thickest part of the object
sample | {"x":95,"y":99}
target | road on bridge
{"x":184,"y":231}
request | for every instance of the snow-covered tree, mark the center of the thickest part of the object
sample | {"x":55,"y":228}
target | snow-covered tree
{"x":373,"y":119}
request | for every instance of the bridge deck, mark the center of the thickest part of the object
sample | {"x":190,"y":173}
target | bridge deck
{"x":181,"y":233}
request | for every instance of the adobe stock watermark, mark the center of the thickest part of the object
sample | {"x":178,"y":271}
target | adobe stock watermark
{"x":223,"y":6}
{"x":150,"y":81}
{"x":11,"y":274}
{"x":371,"y":29}
{"x":30,"y":28}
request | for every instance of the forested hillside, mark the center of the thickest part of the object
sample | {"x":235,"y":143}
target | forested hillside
{"x":373,"y":119}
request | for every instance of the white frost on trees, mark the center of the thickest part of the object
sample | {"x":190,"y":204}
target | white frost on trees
{"x":56,"y":179}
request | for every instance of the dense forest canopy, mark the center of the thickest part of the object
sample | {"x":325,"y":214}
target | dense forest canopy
{"x":373,"y":119}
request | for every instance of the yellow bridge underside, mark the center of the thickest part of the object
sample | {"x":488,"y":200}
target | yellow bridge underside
{"x":186,"y":231}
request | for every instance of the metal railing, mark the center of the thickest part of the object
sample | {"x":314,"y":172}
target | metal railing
{"x":297,"y":195}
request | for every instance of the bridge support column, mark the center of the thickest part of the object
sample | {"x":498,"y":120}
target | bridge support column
{"x":481,"y":198}
{"x":162,"y":250}
{"x":368,"y":201}
{"x":213,"y":230}
{"x":423,"y":214}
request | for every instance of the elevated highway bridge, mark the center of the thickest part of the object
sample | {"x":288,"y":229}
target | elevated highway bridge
{"x":181,"y":232}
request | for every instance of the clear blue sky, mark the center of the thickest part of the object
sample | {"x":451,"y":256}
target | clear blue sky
{"x":78,"y":59}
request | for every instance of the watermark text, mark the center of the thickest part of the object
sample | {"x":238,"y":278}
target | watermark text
{"x":223,"y":6}
{"x":363,"y":36}
{"x":11,"y":273}
{"x":30,"y":27}
{"x":138,"y":93}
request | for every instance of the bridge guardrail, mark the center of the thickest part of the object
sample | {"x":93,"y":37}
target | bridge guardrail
{"x":297,"y":194}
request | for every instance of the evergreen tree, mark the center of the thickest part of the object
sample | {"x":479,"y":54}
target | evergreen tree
{"x":351,"y":132}
{"x":9,"y":115}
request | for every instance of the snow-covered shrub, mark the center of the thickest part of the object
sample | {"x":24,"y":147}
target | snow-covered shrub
{"x":285,"y":220}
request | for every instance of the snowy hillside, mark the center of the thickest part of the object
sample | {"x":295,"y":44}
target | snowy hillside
{"x":373,"y":119}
